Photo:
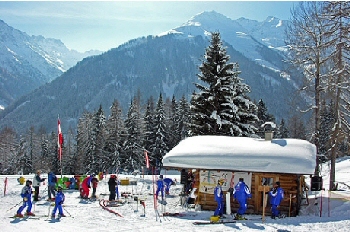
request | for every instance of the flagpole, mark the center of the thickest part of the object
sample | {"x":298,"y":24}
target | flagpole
{"x":59,"y":142}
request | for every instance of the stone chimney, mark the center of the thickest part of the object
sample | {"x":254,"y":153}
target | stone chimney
{"x":268,"y":128}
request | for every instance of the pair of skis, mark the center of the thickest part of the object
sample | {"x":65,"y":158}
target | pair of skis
{"x":214,"y":223}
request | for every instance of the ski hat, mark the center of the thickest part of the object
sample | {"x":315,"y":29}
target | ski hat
{"x":278,"y":183}
{"x":161,"y":176}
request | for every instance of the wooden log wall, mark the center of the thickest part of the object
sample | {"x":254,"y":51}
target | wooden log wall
{"x":292,"y":184}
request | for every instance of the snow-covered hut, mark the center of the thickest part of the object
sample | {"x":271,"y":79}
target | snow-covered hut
{"x":261,"y":162}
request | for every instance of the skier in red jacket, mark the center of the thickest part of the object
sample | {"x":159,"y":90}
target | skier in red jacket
{"x":85,"y":187}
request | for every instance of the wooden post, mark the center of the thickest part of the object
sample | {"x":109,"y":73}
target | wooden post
{"x":290,"y":204}
{"x":228,"y":203}
{"x":264,"y":203}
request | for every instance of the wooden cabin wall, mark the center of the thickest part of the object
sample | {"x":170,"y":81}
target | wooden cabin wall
{"x":290,"y":206}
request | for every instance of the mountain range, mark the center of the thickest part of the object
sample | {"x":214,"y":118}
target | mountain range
{"x":166,"y":63}
{"x":27,"y":62}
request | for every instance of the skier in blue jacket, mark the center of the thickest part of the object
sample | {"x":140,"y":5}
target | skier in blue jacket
{"x":26,"y":194}
{"x":160,"y":187}
{"x":276,"y":196}
{"x":59,"y":200}
{"x":241,"y":192}
{"x":52,"y":180}
{"x":219,"y":198}
{"x":168,"y":182}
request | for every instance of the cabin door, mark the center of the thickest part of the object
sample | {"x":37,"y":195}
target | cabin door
{"x":265,"y":184}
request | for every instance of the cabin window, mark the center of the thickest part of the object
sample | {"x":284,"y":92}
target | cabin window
{"x":267,"y":182}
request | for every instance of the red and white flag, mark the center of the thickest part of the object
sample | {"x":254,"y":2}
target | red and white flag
{"x":59,"y":140}
{"x":146,"y":157}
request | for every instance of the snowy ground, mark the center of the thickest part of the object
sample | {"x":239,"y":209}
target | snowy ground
{"x":91,"y":217}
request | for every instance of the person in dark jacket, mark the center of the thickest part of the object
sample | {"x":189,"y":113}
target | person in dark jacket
{"x":94,"y":183}
{"x":36,"y":184}
{"x":112,"y":183}
{"x":276,"y":196}
{"x":59,"y":200}
{"x":52,"y":180}
{"x":241,"y":192}
{"x":219,"y":198}
{"x":26,"y":194}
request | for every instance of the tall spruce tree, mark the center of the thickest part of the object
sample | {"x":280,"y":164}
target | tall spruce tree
{"x":115,"y":132}
{"x":221,"y":107}
{"x":183,"y":119}
{"x":160,"y":146}
{"x":149,"y":134}
{"x":263,"y":116}
{"x":84,"y":142}
{"x":131,"y":157}
{"x":99,"y":160}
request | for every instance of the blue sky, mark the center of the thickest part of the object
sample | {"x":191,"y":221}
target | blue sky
{"x":90,"y":25}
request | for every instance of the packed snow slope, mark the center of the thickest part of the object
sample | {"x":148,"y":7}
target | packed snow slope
{"x":331,"y":213}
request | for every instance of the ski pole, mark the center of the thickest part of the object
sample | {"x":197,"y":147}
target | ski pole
{"x":67,"y":212}
{"x":14,"y":206}
{"x":48,"y":212}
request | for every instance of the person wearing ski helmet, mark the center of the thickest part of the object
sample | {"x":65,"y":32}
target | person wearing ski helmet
{"x":219,"y":198}
{"x":276,"y":196}
{"x":59,"y":200}
{"x":241,"y":193}
{"x":26,"y":194}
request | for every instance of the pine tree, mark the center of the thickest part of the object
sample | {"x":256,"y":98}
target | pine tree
{"x":282,"y":131}
{"x":221,"y":107}
{"x":99,"y":161}
{"x":8,"y":147}
{"x":115,"y":130}
{"x":84,"y":141}
{"x":160,"y":147}
{"x":149,"y":133}
{"x":263,"y":116}
{"x":183,"y":119}
{"x":132,"y":156}
{"x":172,"y":124}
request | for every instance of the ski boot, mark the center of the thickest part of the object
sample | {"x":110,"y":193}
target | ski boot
{"x":30,"y":214}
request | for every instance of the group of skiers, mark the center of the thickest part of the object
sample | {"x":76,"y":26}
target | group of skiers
{"x":27,"y":192}
{"x":241,"y":193}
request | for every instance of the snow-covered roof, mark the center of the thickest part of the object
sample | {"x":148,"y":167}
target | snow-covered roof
{"x":243,"y":154}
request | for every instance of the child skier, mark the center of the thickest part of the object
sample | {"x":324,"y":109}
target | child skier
{"x":26,"y":194}
{"x":59,"y":200}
